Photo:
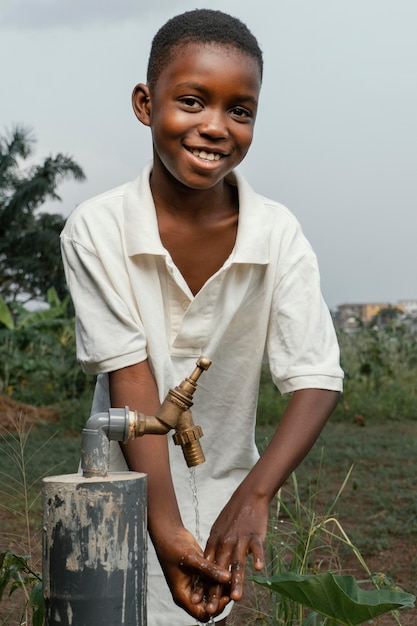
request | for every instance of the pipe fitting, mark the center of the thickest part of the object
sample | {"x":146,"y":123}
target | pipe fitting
{"x":123,"y":424}
{"x":187,"y":435}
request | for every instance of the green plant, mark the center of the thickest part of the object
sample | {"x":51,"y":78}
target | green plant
{"x":16,"y":572}
{"x":38,"y":363}
{"x":338,"y":599}
{"x":380,"y":365}
{"x":20,"y":480}
{"x":30,"y":259}
{"x":305,"y":586}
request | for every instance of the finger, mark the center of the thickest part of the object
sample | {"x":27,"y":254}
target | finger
{"x":198,"y":590}
{"x":220,"y":553}
{"x":215,"y":596}
{"x":207,"y":568}
{"x":211,"y":604}
{"x":257,"y":549}
{"x":237,"y":570}
{"x":197,"y":610}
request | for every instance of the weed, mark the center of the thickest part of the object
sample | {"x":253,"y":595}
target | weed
{"x":21,"y":472}
{"x":304,"y":575}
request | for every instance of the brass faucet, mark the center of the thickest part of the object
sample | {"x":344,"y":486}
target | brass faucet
{"x":174,"y":413}
{"x":123,"y":424}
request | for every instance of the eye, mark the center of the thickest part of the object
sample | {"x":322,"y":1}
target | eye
{"x":190,"y":102}
{"x":241,"y":112}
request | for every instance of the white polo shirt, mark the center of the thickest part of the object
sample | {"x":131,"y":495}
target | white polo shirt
{"x":132,"y":304}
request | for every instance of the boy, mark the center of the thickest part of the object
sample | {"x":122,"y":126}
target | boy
{"x":186,"y":261}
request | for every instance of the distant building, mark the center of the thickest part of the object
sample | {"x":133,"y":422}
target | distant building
{"x":349,"y":316}
{"x":410,"y":306}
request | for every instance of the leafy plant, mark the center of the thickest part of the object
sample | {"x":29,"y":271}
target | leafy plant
{"x":303,"y":575}
{"x":37,"y":357}
{"x":30,"y":258}
{"x":380,"y":365}
{"x":16,"y":572}
{"x":338,"y":598}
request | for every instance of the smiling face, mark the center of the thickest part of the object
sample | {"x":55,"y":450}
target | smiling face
{"x":202,"y":113}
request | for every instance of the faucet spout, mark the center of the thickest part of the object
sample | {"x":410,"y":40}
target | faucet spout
{"x":187,"y":435}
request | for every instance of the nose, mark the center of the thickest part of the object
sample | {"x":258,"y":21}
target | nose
{"x":214,"y":124}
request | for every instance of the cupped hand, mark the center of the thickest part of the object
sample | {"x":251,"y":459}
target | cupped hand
{"x":239,"y":530}
{"x":190,"y":576}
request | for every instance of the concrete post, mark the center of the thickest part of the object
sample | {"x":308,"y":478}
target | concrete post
{"x":94,"y":550}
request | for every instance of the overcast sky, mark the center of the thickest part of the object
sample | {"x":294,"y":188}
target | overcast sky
{"x":335,"y":138}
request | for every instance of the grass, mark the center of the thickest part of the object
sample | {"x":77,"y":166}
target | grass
{"x":26,"y":456}
{"x":380,"y":499}
{"x":376,"y":511}
{"x":378,"y":507}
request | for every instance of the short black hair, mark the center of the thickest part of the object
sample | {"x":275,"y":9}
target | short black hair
{"x":200,"y":26}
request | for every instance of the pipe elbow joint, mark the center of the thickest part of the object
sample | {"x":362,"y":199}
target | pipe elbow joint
{"x":100,"y":428}
{"x":95,"y":446}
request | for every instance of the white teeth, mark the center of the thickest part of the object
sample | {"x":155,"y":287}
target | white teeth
{"x":208,"y":156}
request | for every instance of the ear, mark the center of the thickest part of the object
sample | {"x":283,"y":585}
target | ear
{"x":141,"y":102}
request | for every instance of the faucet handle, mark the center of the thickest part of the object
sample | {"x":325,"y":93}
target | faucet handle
{"x":203,"y":363}
{"x":189,"y":384}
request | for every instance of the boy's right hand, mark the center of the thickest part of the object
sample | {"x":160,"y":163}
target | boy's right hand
{"x":190,"y":577}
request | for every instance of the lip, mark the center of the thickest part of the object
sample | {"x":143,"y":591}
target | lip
{"x":206,"y":154}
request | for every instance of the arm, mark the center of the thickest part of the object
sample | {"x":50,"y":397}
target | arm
{"x":241,"y":527}
{"x":179,"y":554}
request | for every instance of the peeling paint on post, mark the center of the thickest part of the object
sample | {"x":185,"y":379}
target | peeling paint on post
{"x":94,"y":550}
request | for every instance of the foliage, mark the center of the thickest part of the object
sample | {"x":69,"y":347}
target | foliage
{"x":303,"y":570}
{"x":38,"y":365}
{"x":21,"y":473}
{"x":28,"y":455}
{"x":20,"y":493}
{"x":37,"y":352}
{"x":30,"y":259}
{"x":338,"y":598}
{"x":380,"y":365}
{"x":379,"y":505}
{"x":16,"y":572}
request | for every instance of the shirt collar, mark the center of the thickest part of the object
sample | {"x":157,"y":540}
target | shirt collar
{"x":141,"y":225}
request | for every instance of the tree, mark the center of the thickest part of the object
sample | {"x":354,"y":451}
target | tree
{"x":30,"y":258}
{"x":386,"y":316}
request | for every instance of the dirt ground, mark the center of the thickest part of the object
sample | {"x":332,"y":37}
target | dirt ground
{"x":14,"y":413}
{"x":400,"y":558}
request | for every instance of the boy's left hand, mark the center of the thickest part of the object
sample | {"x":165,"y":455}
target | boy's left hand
{"x":239,"y":530}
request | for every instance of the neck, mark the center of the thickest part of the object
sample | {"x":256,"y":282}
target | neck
{"x":181,"y":201}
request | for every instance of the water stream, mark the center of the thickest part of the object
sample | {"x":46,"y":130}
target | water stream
{"x":193,"y":485}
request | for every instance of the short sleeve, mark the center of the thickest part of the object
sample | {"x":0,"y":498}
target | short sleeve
{"x":109,"y":332}
{"x":302,"y":346}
